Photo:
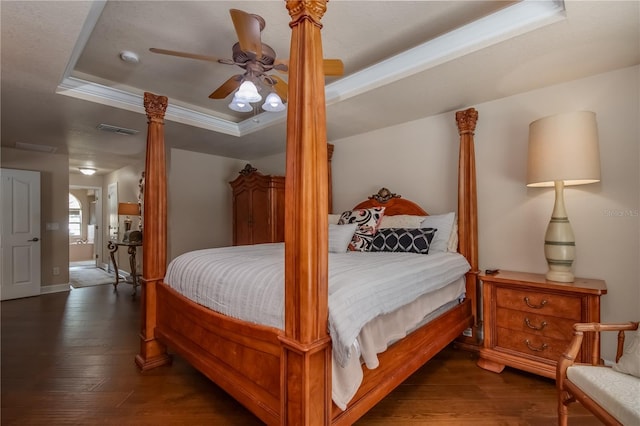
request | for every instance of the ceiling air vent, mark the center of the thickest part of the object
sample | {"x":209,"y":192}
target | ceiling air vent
{"x":116,"y":129}
{"x":35,"y":147}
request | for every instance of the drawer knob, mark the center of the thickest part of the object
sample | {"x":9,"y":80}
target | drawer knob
{"x":536,"y":349}
{"x":535,"y":327}
{"x":540,"y":306}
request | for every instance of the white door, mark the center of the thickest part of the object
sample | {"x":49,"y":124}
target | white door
{"x":97,"y":245}
{"x":112,"y":203}
{"x":20,"y":235}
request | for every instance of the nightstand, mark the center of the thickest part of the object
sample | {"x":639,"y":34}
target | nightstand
{"x":528,"y":321}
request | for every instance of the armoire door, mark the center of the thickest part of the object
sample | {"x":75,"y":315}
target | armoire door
{"x":260,"y":211}
{"x":242,"y":216}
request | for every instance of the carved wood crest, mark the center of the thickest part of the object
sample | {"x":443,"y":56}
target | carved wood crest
{"x":384,"y":195}
{"x":248,"y":169}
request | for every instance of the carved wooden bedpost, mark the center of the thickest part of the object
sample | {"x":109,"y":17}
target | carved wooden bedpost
{"x":468,"y":207}
{"x":329,"y":172}
{"x":154,"y":245}
{"x":306,"y":351}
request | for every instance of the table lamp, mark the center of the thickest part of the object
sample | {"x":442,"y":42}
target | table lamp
{"x":128,"y":209}
{"x":563,"y":151}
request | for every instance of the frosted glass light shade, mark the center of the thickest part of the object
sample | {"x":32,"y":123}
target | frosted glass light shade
{"x":273,"y":103}
{"x":240,"y":105}
{"x":564,"y":148}
{"x":248,"y":92}
{"x":87,"y":170}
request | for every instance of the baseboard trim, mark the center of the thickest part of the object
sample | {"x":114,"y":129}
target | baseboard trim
{"x":55,"y":288}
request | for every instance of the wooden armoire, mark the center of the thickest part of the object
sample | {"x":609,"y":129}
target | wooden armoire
{"x":258,"y":207}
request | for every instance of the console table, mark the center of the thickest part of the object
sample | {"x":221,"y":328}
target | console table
{"x":131,"y":249}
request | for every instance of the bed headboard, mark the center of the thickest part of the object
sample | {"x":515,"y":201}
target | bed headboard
{"x":394,"y":204}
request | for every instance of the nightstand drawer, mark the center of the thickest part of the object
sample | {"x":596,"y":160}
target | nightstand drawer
{"x":552,"y":304}
{"x":541,"y":325}
{"x":531,"y":344}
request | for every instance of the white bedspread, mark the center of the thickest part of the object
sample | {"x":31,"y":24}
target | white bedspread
{"x":247,"y":282}
{"x":378,"y":334}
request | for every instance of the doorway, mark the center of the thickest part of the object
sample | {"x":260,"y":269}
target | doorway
{"x":85,"y":227}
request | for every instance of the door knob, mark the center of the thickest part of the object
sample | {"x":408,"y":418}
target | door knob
{"x":34,"y":239}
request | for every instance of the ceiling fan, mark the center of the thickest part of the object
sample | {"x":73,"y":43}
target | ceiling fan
{"x":257,"y":59}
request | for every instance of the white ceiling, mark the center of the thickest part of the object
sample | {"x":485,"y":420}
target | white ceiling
{"x":62,"y":76}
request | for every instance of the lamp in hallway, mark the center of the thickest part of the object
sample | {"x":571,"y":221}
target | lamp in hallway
{"x":563,"y":151}
{"x":128,"y":209}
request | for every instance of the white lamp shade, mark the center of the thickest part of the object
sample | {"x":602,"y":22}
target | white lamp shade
{"x":87,"y":170}
{"x":248,"y":92}
{"x":240,"y":105}
{"x":564,"y":148}
{"x":273,"y":103}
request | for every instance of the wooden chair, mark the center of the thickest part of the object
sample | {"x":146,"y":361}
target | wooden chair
{"x":616,"y":390}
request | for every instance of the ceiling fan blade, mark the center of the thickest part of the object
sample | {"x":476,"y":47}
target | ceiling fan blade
{"x":331,"y":66}
{"x":281,"y":87}
{"x":227,"y":87}
{"x":184,"y":54}
{"x":280,"y":67}
{"x":248,"y":29}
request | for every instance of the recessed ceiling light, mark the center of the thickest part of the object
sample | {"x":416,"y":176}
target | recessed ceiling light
{"x":129,"y":56}
{"x":87,"y":170}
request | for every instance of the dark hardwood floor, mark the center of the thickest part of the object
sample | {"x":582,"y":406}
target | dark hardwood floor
{"x":67,"y":358}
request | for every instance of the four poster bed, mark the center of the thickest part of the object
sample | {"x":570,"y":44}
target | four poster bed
{"x":283,"y":374}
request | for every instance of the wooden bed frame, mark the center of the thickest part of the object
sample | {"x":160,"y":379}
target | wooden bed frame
{"x":284,"y":376}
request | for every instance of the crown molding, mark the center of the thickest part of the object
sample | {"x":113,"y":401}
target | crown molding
{"x":99,"y":93}
{"x":522,"y":17}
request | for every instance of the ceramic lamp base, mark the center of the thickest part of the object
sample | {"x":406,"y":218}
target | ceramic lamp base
{"x":560,"y":276}
{"x":559,"y":242}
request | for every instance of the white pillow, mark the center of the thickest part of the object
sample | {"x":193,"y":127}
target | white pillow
{"x":401,"y":221}
{"x":453,"y":239}
{"x":340,"y":236}
{"x":445,"y":237}
{"x":334,"y":218}
{"x":629,"y":362}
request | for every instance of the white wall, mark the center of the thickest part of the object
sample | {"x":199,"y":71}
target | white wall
{"x":419,"y":161}
{"x":199,"y":205}
{"x":272,"y":165}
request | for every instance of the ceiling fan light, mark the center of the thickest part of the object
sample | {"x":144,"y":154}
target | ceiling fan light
{"x":273,"y":103}
{"x":240,"y":105}
{"x":248,"y":92}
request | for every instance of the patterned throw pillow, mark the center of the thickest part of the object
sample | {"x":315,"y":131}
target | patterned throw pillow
{"x":405,"y":240}
{"x":367,"y":221}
